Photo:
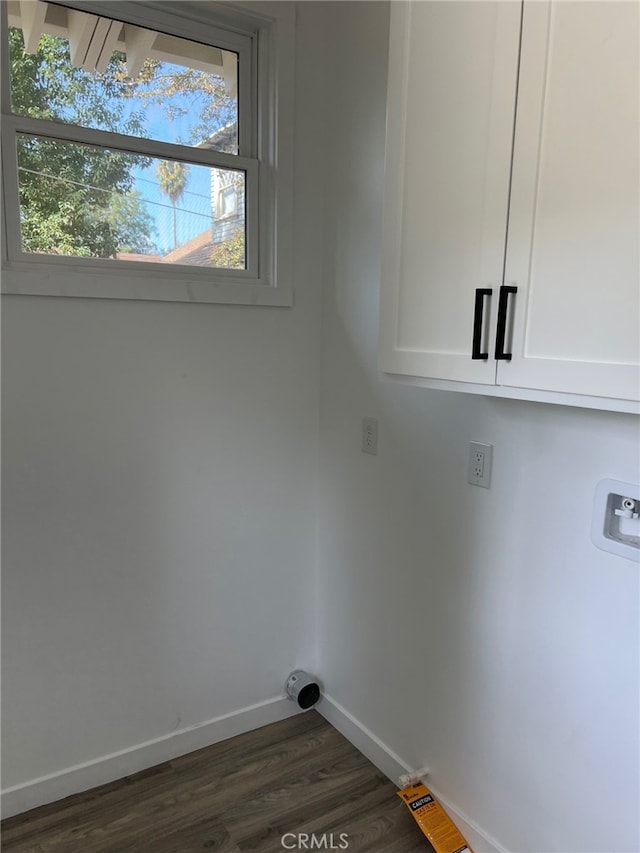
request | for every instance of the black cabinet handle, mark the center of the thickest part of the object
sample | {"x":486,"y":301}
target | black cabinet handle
{"x":478,"y":310}
{"x":501,"y":330}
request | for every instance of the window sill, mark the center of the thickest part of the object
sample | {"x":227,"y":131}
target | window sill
{"x":30,"y":278}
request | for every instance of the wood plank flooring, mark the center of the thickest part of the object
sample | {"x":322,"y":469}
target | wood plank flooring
{"x":296,"y":776}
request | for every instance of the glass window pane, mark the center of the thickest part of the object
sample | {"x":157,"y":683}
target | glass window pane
{"x":94,"y":72}
{"x":85,"y":201}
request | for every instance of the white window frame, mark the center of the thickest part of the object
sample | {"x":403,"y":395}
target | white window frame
{"x":263,"y":35}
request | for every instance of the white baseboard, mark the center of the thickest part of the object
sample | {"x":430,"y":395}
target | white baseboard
{"x":82,"y":777}
{"x":393,"y":766}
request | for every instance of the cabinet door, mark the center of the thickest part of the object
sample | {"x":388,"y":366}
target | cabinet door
{"x":572,"y":246}
{"x":451,"y":102}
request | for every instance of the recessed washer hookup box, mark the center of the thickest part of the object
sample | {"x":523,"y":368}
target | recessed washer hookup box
{"x":432,"y":819}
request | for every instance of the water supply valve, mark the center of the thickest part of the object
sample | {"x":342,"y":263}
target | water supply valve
{"x":628,"y":508}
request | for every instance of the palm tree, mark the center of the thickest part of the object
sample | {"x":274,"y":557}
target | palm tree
{"x":172,"y":176}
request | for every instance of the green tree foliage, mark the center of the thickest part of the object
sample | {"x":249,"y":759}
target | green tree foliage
{"x":67,"y":189}
{"x":132,"y":223}
{"x":172,"y":177}
{"x":230,"y":253}
{"x":181,"y":92}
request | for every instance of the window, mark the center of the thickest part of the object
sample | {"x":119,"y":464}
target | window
{"x":144,"y":146}
{"x":227,"y":202}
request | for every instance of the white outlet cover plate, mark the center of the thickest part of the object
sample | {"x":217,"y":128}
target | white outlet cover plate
{"x":487,"y":450}
{"x":370,"y":436}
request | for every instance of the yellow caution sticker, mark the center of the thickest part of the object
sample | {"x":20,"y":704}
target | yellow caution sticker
{"x":432,"y":819}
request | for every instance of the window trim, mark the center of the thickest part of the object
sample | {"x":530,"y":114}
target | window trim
{"x":267,"y":279}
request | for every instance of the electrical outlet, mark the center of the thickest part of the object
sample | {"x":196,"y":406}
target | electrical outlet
{"x":370,"y":436}
{"x":480,"y":456}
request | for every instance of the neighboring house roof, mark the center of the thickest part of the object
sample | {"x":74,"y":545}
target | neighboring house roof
{"x":134,"y":256}
{"x":196,"y":252}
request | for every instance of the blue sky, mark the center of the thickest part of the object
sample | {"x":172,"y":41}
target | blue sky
{"x":194,"y":208}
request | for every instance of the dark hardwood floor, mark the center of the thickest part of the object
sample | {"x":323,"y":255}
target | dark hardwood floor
{"x":296,"y":776}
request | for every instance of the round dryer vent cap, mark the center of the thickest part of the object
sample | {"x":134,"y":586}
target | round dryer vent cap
{"x":303,"y":688}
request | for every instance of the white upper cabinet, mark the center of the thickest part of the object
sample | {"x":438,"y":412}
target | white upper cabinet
{"x":451,"y":102}
{"x":574,"y":218}
{"x":540,"y":218}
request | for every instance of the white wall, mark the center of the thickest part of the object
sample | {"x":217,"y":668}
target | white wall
{"x":479,"y":632}
{"x":159,"y":500}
